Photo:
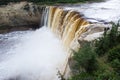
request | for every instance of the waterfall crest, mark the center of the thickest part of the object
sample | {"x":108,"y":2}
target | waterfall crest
{"x":67,"y":25}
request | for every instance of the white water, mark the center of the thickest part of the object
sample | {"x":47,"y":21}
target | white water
{"x":37,"y":56}
{"x":107,"y":11}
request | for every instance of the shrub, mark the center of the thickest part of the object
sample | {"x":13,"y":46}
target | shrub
{"x":82,"y":76}
{"x":105,"y":74}
{"x":109,"y":40}
{"x":116,"y":65}
{"x":85,"y":59}
{"x":114,"y":53}
{"x":114,"y":58}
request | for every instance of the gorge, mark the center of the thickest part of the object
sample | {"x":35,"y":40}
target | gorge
{"x":40,"y":54}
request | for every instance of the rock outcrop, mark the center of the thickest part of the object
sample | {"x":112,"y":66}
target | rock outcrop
{"x":20,"y":16}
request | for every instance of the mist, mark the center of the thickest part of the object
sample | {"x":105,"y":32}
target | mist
{"x":38,"y":56}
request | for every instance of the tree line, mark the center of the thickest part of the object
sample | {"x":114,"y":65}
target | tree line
{"x":4,"y":2}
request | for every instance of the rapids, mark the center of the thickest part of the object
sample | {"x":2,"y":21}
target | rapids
{"x":40,"y":54}
{"x":101,"y":11}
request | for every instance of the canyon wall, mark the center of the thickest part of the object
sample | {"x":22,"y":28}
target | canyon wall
{"x":20,"y":16}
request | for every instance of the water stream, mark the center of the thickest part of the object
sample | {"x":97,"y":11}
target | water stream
{"x":106,"y":11}
{"x":39,"y":55}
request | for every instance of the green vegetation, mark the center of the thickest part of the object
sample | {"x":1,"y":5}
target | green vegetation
{"x":99,"y":59}
{"x":45,"y":1}
{"x":84,"y":58}
{"x":109,"y":40}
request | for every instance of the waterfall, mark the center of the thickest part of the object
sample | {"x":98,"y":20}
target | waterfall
{"x":36,"y":55}
{"x":67,"y":25}
{"x":40,"y":54}
{"x":44,"y":18}
{"x":46,"y":12}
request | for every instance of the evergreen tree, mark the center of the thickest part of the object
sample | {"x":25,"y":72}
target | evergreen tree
{"x":109,"y":40}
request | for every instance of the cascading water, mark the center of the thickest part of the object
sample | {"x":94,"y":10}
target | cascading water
{"x":38,"y":55}
{"x":107,"y":11}
{"x":44,"y":18}
{"x":66,"y":24}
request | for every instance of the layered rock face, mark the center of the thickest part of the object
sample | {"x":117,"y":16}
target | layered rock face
{"x":20,"y":16}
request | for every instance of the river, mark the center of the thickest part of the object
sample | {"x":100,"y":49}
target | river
{"x":39,"y":55}
{"x":102,"y":11}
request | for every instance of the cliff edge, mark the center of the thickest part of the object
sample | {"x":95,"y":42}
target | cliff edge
{"x":20,"y":16}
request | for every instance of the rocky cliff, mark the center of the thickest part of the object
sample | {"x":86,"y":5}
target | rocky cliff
{"x":20,"y":16}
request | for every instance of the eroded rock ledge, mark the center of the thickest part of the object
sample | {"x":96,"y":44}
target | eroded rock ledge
{"x":20,"y":16}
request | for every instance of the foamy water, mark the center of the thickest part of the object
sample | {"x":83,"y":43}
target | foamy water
{"x":107,"y":11}
{"x":38,"y":56}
